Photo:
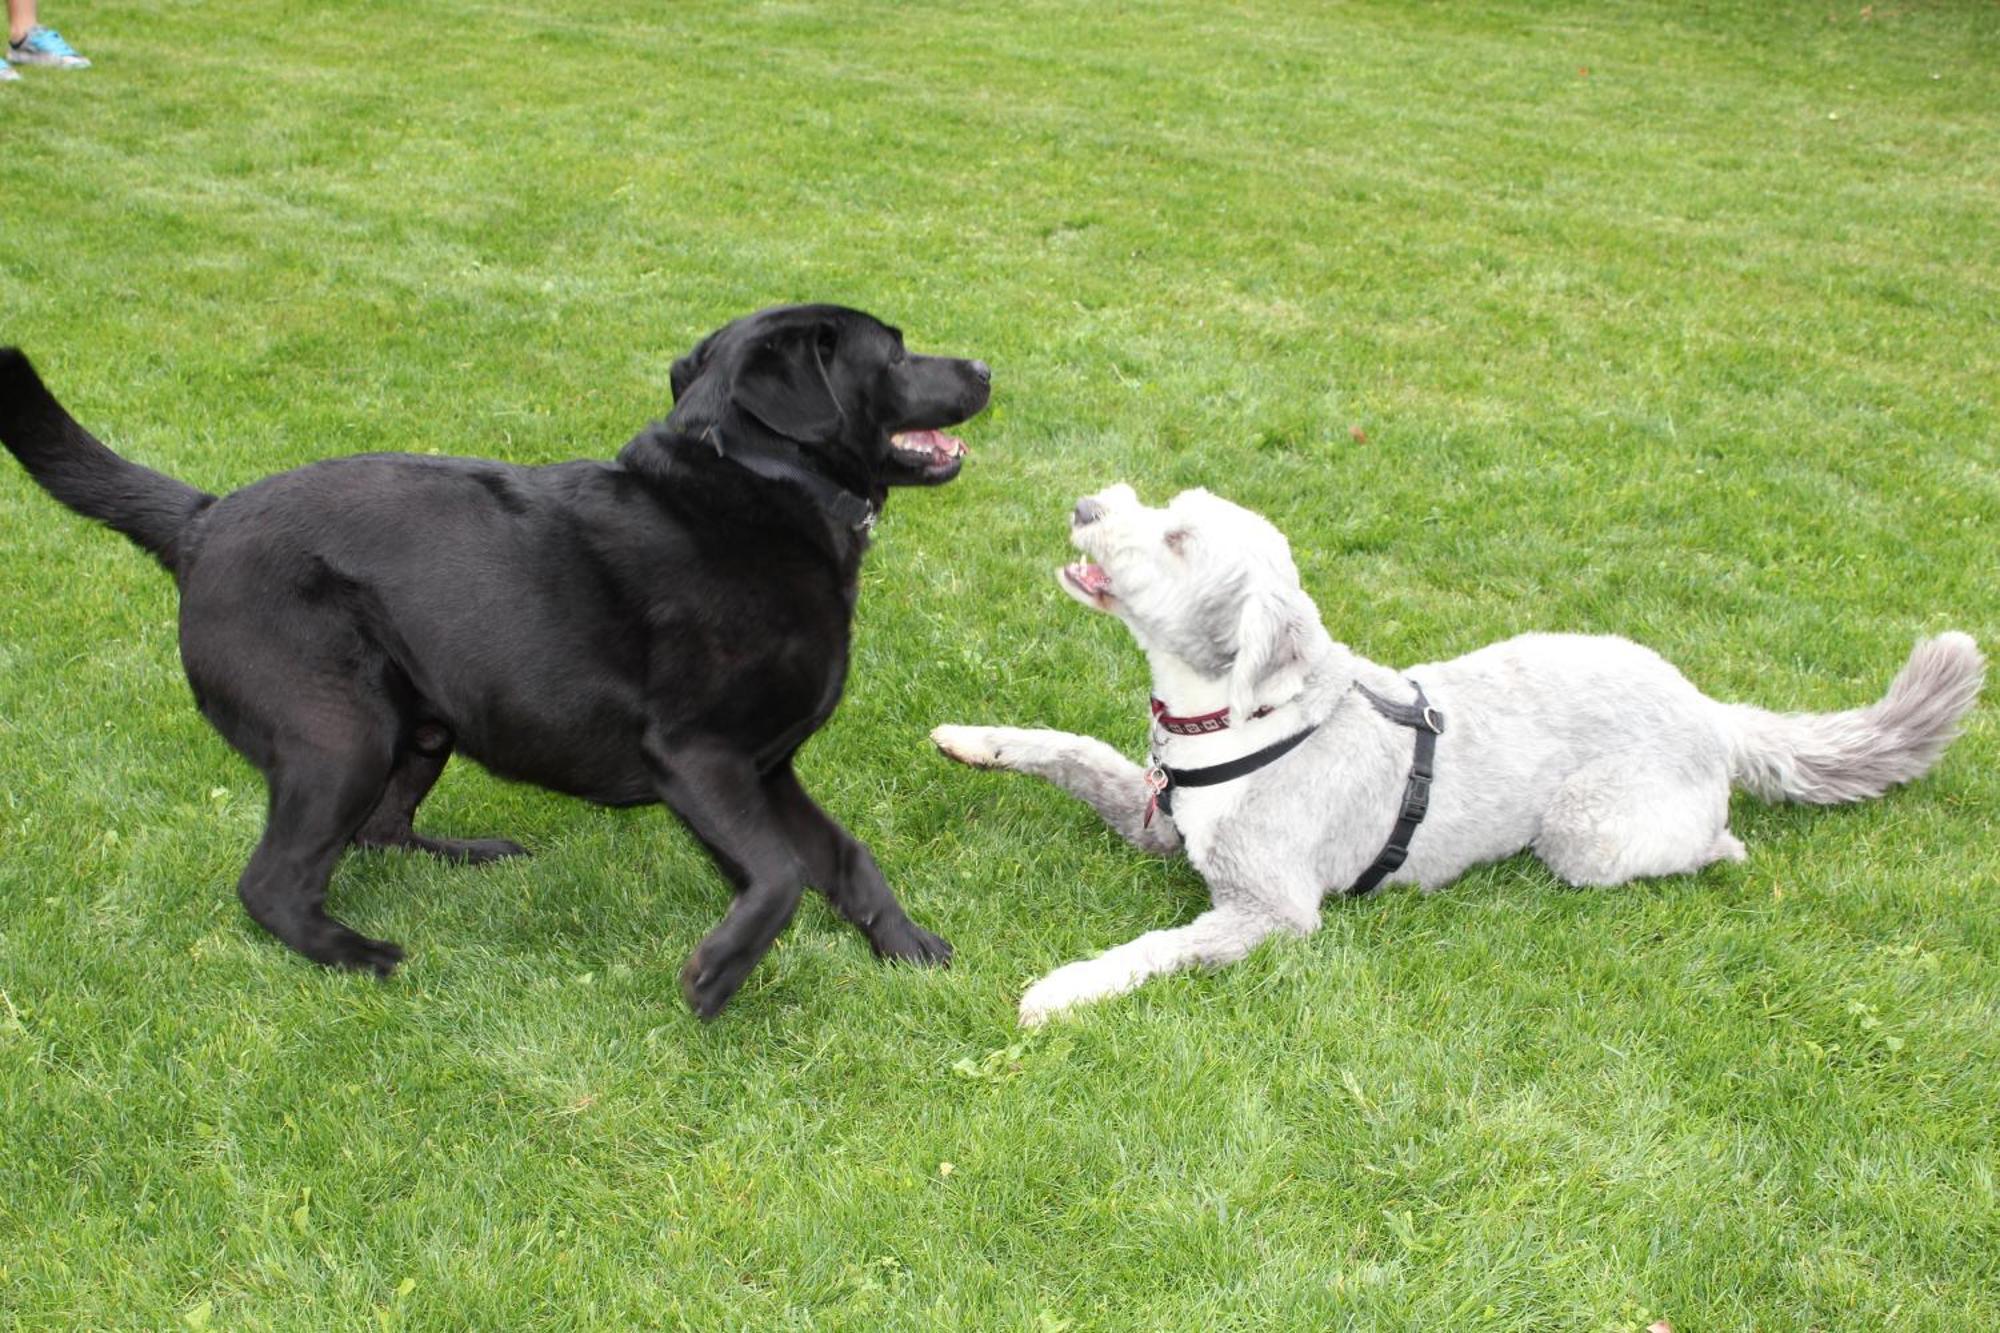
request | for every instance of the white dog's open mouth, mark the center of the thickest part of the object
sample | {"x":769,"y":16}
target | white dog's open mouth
{"x":928,"y":450}
{"x":1089,"y":581}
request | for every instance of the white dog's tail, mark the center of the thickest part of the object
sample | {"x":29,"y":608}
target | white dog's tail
{"x":1830,"y":758}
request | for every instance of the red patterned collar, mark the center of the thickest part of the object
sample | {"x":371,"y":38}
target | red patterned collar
{"x":1205,"y":724}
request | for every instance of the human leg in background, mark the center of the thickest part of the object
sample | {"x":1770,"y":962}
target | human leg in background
{"x":29,"y":43}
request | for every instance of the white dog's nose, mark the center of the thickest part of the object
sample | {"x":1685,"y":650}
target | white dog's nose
{"x":1088,"y":510}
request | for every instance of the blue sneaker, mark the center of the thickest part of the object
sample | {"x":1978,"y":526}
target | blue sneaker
{"x":45,"y":46}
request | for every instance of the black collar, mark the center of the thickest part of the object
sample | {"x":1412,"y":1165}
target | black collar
{"x":1420,"y":717}
{"x":844,"y":510}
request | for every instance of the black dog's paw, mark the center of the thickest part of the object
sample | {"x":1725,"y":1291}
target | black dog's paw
{"x":905,"y":941}
{"x":358,"y":953}
{"x":708,"y":987}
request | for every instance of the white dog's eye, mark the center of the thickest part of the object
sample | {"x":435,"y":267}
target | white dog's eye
{"x":1175,"y":539}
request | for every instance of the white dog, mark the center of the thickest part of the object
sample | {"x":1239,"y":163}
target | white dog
{"x":1289,"y":767}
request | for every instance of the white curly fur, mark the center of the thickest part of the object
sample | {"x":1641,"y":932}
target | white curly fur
{"x":1591,"y":750}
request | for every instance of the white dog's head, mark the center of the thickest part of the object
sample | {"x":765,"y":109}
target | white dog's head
{"x":1202,"y":580}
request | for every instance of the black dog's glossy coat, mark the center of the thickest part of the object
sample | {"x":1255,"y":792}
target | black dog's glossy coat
{"x":668,"y":627}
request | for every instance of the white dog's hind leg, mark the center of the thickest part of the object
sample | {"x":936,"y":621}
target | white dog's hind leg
{"x":1218,"y":936}
{"x":1608,"y":825}
{"x":1728,"y":847}
{"x":1086,"y":768}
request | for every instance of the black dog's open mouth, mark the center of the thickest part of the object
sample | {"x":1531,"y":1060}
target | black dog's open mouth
{"x":932,"y":454}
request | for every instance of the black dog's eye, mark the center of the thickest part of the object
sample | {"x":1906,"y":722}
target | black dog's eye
{"x":829,"y":340}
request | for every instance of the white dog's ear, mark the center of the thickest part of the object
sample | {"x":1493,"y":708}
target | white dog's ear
{"x":1270,"y":643}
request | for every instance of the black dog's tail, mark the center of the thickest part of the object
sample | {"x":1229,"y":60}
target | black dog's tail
{"x":152,"y":509}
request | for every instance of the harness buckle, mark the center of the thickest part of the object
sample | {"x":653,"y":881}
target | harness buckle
{"x":1433,"y":721}
{"x":1416,"y":798}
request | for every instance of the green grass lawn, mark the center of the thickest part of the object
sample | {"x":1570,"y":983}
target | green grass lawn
{"x":1677,"y":320}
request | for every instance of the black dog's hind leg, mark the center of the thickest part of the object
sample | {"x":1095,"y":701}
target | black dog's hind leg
{"x":418,"y":764}
{"x":717,"y":794}
{"x":318,"y":799}
{"x":842,"y":868}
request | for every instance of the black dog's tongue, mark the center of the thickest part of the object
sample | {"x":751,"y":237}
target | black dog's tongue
{"x":935,"y":445}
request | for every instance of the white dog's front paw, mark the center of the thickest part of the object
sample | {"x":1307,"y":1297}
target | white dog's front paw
{"x":977,"y":746}
{"x":1065,"y":988}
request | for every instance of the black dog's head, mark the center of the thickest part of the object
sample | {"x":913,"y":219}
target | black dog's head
{"x":838,"y":384}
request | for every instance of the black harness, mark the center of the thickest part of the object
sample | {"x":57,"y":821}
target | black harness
{"x":1420,"y":717}
{"x":1428,"y":723}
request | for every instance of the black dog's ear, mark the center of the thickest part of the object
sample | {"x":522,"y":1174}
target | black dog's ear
{"x":786,"y":385}
{"x":689,"y":367}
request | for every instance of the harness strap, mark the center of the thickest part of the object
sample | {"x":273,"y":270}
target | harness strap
{"x":1428,"y":723}
{"x":1419,"y":717}
{"x":1169,"y":778}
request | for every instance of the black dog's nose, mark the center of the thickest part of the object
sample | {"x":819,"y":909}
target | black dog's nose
{"x":1087,"y":511}
{"x":984,"y":371}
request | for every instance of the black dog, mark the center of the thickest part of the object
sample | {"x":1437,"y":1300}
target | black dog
{"x":669,"y":627}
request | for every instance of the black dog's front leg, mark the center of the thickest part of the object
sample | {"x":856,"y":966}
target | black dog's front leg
{"x":840,"y":866}
{"x":716,"y":792}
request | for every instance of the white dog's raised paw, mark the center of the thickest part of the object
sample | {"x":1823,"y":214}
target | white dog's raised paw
{"x":1035,"y":1010}
{"x":968,"y":745}
{"x":1060,"y":991}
